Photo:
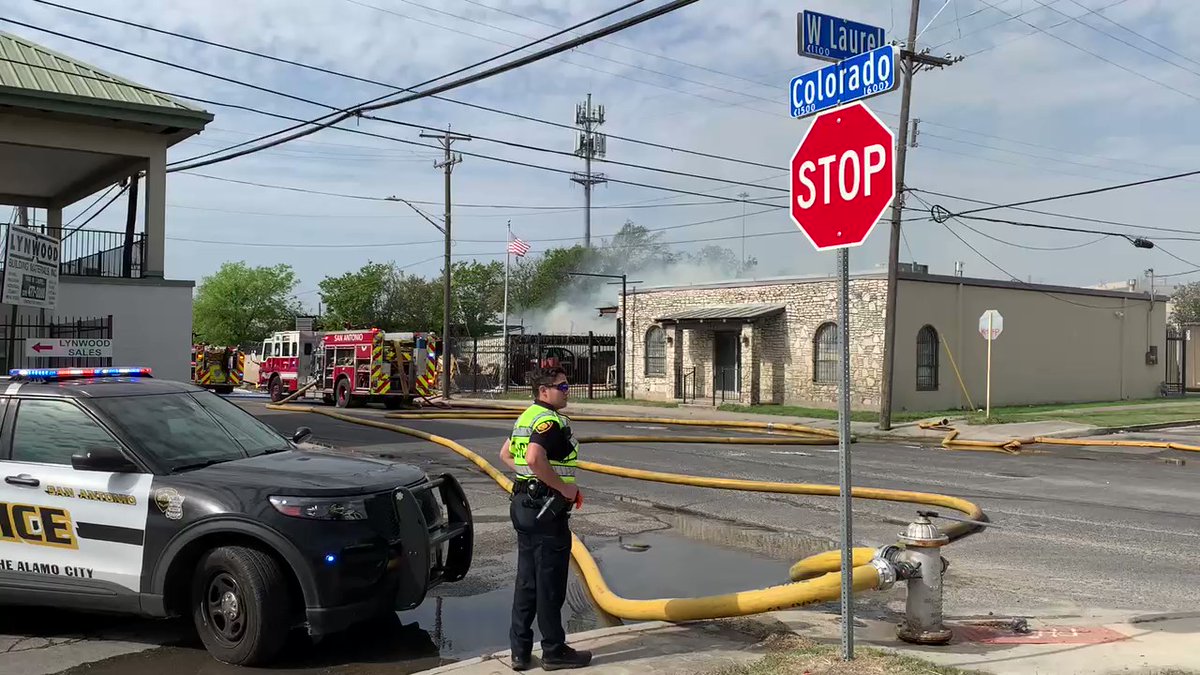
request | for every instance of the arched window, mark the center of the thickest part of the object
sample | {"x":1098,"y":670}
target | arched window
{"x":656,"y":352}
{"x":825,"y":354}
{"x":927,"y":359}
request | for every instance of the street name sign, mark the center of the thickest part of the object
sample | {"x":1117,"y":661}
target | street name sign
{"x":858,"y":77}
{"x":843,"y":177}
{"x":832,"y":38}
{"x":30,"y":269}
{"x":73,"y":348}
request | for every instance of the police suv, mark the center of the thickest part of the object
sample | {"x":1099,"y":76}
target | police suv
{"x":123,"y":493}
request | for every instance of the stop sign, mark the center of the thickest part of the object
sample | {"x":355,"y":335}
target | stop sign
{"x":843,"y":177}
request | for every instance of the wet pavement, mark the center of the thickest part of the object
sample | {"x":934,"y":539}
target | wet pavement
{"x":445,"y":628}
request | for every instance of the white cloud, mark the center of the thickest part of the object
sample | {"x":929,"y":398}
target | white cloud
{"x":1049,"y":96}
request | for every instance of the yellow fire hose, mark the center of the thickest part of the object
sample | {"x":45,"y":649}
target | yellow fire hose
{"x":1014,"y":446}
{"x":815,"y":579}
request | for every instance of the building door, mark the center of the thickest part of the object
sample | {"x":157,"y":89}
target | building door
{"x":727,"y":366}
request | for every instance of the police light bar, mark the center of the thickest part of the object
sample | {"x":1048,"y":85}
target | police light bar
{"x":73,"y":373}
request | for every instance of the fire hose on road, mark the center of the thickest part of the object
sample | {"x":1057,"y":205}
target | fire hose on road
{"x":815,"y":579}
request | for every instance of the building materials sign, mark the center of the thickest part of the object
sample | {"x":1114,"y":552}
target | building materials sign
{"x":31,"y":261}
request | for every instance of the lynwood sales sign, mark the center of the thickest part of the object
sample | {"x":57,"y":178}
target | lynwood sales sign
{"x":31,"y":262}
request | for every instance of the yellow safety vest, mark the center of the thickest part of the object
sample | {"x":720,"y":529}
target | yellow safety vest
{"x":535,"y":416}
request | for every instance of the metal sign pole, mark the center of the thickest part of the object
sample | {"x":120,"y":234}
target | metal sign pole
{"x":844,"y":454}
{"x":988,"y":414}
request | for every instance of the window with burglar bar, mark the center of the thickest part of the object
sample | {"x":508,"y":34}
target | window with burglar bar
{"x":825,"y":354}
{"x":656,"y":352}
{"x":927,"y":359}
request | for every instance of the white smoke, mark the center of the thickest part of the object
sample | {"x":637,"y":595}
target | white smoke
{"x":580,"y":313}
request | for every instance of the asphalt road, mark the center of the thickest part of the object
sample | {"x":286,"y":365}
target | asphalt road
{"x":1076,"y":530}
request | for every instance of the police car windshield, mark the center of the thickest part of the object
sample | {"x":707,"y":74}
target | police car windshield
{"x":181,"y":430}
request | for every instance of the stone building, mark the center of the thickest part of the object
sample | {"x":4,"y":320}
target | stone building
{"x":776,"y":341}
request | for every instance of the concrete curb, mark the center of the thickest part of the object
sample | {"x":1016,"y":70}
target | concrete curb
{"x":575,"y":639}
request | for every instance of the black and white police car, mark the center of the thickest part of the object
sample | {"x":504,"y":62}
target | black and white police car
{"x":124,"y":493}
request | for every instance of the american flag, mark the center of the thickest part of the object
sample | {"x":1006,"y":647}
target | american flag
{"x":518,"y":247}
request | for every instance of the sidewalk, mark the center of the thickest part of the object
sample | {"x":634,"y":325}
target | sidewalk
{"x":900,"y":433}
{"x":1098,"y":644}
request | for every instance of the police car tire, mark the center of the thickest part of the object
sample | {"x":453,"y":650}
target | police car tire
{"x":263,"y":600}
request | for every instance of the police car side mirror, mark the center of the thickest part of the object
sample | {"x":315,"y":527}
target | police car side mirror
{"x":301,"y":434}
{"x":103,"y":459}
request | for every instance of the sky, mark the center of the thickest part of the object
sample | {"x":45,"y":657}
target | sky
{"x":1051,"y":97}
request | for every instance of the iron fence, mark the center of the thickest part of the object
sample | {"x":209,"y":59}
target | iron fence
{"x":1175,"y":378}
{"x":97,"y":253}
{"x":590,"y":361}
{"x":16,"y":338}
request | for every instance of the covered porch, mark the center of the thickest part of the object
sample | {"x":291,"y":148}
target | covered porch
{"x":715,"y":354}
{"x":70,"y":132}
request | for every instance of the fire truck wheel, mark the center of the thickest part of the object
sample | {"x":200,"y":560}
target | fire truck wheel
{"x":391,"y":402}
{"x":327,"y":399}
{"x":342,"y":393}
{"x":275,"y":388}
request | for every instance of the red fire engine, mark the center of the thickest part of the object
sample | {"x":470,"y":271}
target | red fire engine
{"x":349,"y":367}
{"x":218,"y":368}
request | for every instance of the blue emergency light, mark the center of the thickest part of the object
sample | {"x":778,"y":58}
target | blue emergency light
{"x":74,"y":373}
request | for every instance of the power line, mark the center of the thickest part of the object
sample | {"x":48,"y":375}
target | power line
{"x":1083,"y":193}
{"x":98,"y":212}
{"x":316,"y":125}
{"x":1085,"y":219}
{"x":387,"y":120}
{"x":172,"y":169}
{"x":1027,"y":247}
{"x":1010,"y":275}
{"x":1098,"y":56}
{"x":89,"y":207}
{"x":398,"y":88}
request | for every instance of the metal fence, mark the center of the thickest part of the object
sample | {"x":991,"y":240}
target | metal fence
{"x":590,"y":361}
{"x":1175,"y":377}
{"x":17,"y":338}
{"x":97,"y":253}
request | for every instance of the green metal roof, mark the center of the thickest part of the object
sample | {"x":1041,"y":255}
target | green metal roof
{"x":33,"y":76}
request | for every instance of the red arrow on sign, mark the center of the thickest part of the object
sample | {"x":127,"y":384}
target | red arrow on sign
{"x":39,"y":347}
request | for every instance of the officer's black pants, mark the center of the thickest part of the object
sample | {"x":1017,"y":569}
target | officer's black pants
{"x":543,"y":557}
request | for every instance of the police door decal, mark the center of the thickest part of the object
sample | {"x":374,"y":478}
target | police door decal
{"x":82,"y":524}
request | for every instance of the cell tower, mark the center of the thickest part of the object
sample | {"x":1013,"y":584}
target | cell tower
{"x":591,"y":144}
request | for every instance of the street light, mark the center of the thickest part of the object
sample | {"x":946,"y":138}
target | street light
{"x":624,"y":325}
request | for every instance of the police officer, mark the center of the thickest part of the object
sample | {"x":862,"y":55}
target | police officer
{"x":542,"y":455}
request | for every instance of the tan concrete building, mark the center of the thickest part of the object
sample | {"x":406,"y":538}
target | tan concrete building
{"x":775,"y":341}
{"x":68,"y":131}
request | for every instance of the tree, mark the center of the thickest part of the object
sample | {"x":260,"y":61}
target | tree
{"x":542,"y":281}
{"x":359,"y":299}
{"x":635,"y":248}
{"x":478,"y":294}
{"x":240,"y":304}
{"x":415,"y":303}
{"x":1186,"y":303}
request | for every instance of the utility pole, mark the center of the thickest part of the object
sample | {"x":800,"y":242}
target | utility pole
{"x":447,"y":164}
{"x":743,"y":195}
{"x":591,"y":144}
{"x":911,"y":62}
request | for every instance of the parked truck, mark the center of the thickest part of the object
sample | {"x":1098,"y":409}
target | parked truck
{"x":218,"y":368}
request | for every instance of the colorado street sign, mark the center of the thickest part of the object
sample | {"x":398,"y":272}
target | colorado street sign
{"x":858,"y":77}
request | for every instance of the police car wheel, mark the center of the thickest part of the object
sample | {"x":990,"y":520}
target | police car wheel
{"x":240,"y":605}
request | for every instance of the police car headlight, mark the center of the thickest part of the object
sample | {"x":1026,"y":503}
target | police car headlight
{"x":338,"y":508}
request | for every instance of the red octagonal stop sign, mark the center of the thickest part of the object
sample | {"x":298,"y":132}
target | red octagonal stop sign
{"x":843,"y":177}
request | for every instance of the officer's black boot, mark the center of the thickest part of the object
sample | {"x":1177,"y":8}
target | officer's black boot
{"x":522,"y":662}
{"x":565,"y":658}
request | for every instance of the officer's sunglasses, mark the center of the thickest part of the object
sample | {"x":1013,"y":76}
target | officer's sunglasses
{"x":564,"y":387}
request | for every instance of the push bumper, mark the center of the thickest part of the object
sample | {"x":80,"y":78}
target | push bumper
{"x":421,"y":556}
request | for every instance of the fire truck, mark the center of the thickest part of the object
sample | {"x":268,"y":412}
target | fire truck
{"x":218,"y":368}
{"x":350,"y":367}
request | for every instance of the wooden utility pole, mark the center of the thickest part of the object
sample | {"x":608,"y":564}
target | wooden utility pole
{"x":911,"y":61}
{"x":447,"y":164}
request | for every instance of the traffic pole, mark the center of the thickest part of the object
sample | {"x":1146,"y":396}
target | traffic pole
{"x":988,"y":414}
{"x":844,"y":454}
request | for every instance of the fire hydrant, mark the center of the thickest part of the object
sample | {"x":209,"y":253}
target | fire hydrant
{"x":925,"y":567}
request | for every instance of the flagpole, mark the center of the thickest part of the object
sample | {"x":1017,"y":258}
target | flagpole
{"x":504,"y":321}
